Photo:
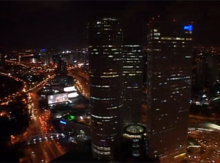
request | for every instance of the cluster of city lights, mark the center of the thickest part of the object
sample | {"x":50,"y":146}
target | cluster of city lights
{"x":13,"y":95}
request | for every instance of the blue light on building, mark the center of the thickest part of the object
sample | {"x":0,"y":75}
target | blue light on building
{"x":63,"y":122}
{"x":188,"y":27}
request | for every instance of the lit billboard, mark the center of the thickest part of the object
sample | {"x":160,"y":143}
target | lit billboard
{"x":69,"y":89}
{"x":57,"y":98}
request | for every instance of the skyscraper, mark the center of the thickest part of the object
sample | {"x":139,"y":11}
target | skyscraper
{"x":105,"y":64}
{"x":132,"y":83}
{"x":169,"y":88}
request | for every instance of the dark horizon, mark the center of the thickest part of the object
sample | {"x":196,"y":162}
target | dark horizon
{"x":64,"y":24}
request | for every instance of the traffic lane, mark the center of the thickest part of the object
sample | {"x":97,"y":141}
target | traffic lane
{"x":35,"y":127}
{"x":55,"y":148}
{"x":207,"y":143}
{"x":45,"y":150}
{"x":33,"y":153}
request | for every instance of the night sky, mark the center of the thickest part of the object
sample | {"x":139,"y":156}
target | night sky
{"x":64,"y":24}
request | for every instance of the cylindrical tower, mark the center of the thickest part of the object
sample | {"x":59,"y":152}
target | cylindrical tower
{"x":105,"y":63}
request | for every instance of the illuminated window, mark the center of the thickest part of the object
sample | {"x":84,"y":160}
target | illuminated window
{"x":156,"y":34}
{"x":179,"y":38}
{"x":155,"y":30}
{"x":107,"y":29}
{"x":166,"y":38}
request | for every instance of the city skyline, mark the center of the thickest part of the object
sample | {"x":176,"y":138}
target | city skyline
{"x":63,"y":24}
{"x":110,"y":81}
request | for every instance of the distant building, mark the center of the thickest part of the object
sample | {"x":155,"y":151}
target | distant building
{"x":61,"y":67}
{"x":201,"y":72}
{"x":168,"y":88}
{"x":49,"y":57}
{"x":132,"y":83}
{"x":46,"y":56}
{"x":212,"y":69}
{"x":207,"y":66}
{"x":105,"y":66}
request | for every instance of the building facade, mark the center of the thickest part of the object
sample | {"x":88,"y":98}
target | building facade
{"x":105,"y":73}
{"x":212,"y":69}
{"x":132,"y":83}
{"x":168,"y":88}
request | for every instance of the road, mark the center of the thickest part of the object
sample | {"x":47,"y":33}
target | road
{"x":81,"y":84}
{"x":44,"y":151}
{"x":210,"y":141}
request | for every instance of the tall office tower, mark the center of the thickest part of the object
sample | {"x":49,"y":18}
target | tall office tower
{"x":212,"y":69}
{"x":169,"y":88}
{"x":132,"y":83}
{"x":105,"y":64}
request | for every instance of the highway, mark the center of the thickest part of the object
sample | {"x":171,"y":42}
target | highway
{"x":40,"y":143}
{"x":40,"y":151}
{"x":44,"y":151}
{"x":209,"y":140}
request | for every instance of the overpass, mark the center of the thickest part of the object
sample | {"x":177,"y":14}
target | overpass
{"x":49,"y":136}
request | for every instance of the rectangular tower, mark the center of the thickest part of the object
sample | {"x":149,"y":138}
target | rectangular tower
{"x":132,"y":83}
{"x":168,"y":88}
